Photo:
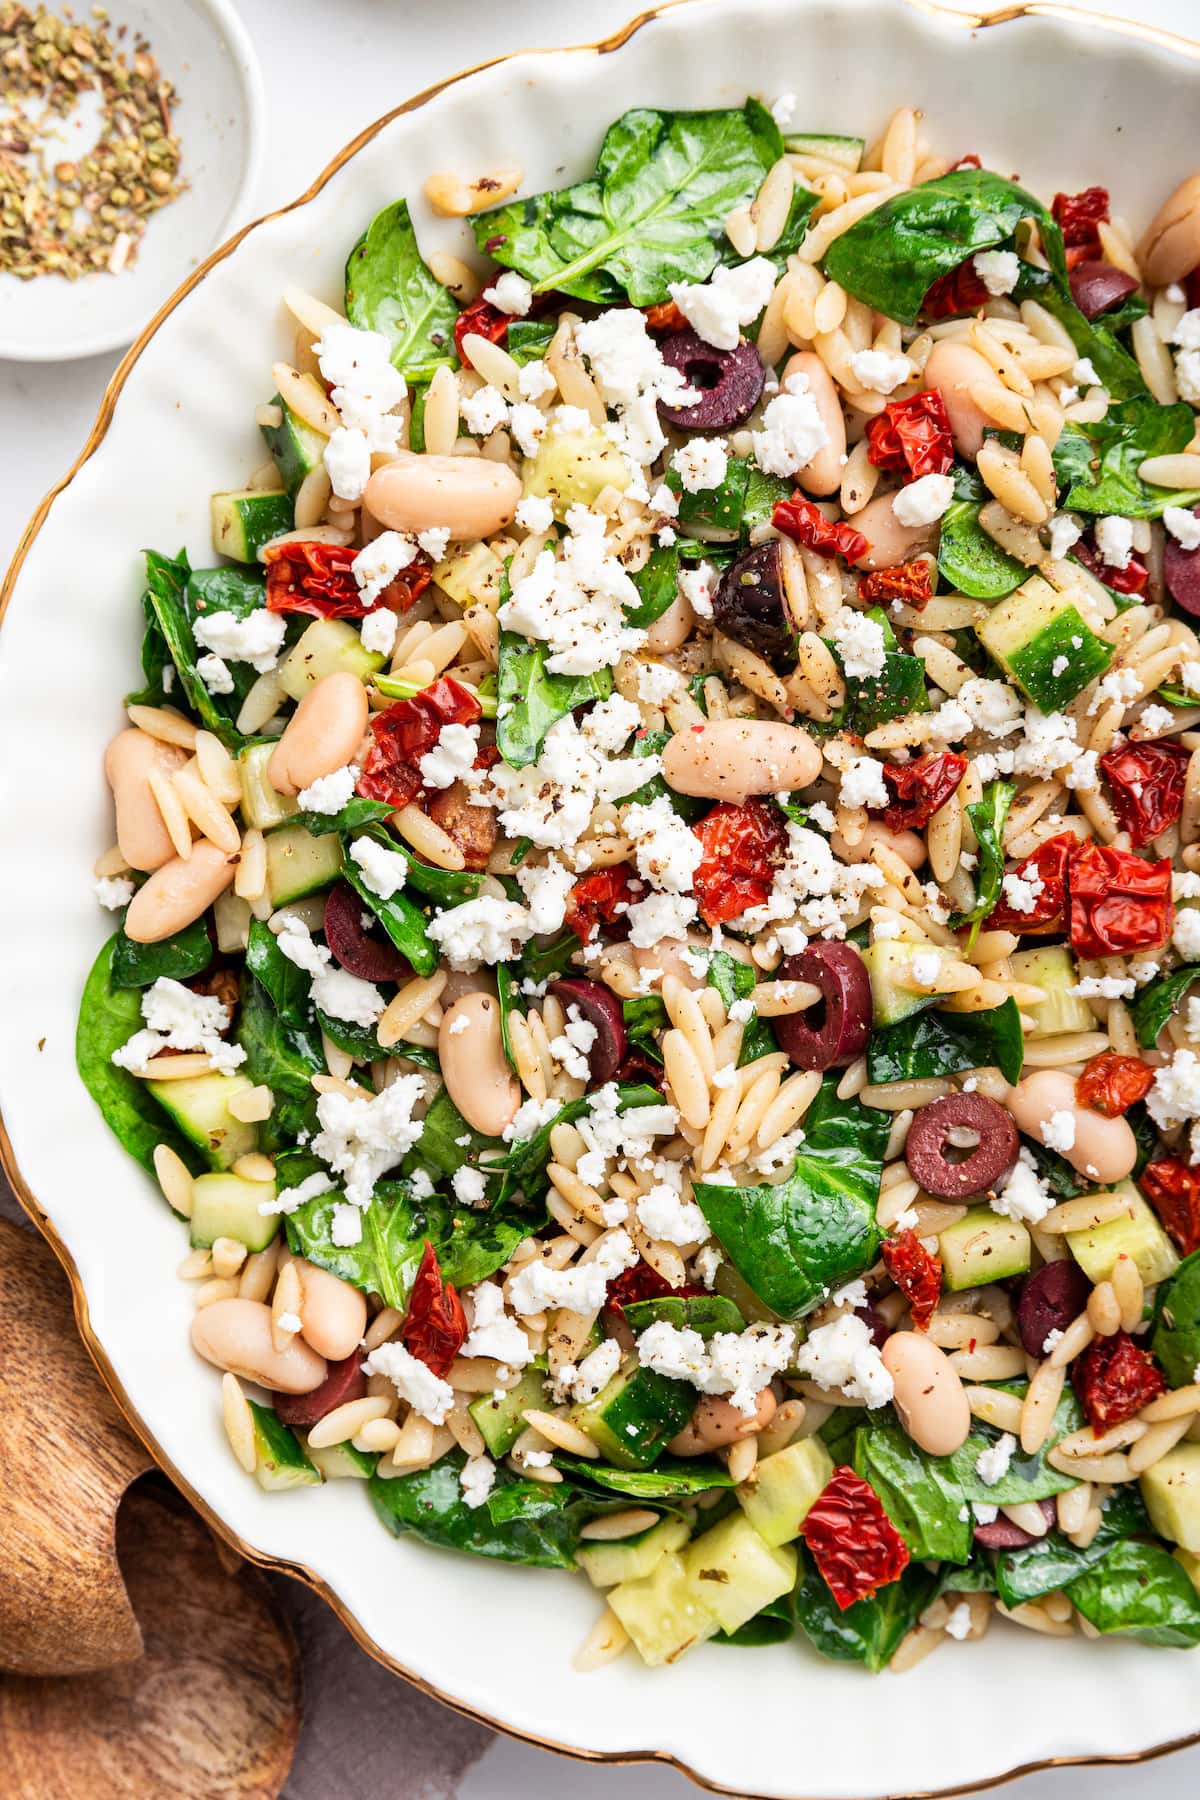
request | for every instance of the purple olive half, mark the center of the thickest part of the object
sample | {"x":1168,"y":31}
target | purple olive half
{"x":1096,"y":287}
{"x":1050,"y":1299}
{"x":601,"y":1008}
{"x":1002,"y":1534}
{"x":976,"y":1170}
{"x":1181,"y":572}
{"x":748,"y":605}
{"x":345,"y":1381}
{"x":730,"y":383}
{"x":875,"y":1323}
{"x":834,"y":1030}
{"x":354,"y":947}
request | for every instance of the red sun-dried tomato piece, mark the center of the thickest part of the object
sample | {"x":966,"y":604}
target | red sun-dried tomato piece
{"x":743,"y":847}
{"x":1111,"y":1084}
{"x":804,"y":521}
{"x":1147,"y":782}
{"x":403,"y":734}
{"x":666,"y":316}
{"x":435,"y":1326}
{"x":1173,"y":1190}
{"x":916,"y":1272}
{"x":854,"y":1544}
{"x":1078,"y":215}
{"x":1118,"y":902}
{"x":910,"y":582}
{"x":1132,"y":579}
{"x":480,"y":319}
{"x":1114,"y":1379}
{"x":919,"y":789}
{"x":318,"y":579}
{"x":912,"y":436}
{"x":959,"y":291}
{"x":1047,"y":865}
{"x":601,"y":899}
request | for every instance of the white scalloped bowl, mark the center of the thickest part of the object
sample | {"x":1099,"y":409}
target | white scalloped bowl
{"x":498,"y":1641}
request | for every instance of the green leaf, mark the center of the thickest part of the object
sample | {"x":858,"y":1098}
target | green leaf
{"x":108,"y":1018}
{"x":447,"y":1141}
{"x":528,"y":340}
{"x":970,"y":561}
{"x":509,"y":991}
{"x":672,"y":1478}
{"x":1156,"y":1002}
{"x":921,"y":1494}
{"x":401,"y":917}
{"x":1095,"y":340}
{"x":446,"y":886}
{"x":1029,"y":1477}
{"x":793,"y":1242}
{"x":356,"y":813}
{"x":1176,"y":1340}
{"x":175,"y":593}
{"x":283,"y":1048}
{"x":657,"y":583}
{"x":688,"y":807}
{"x":705,"y":1314}
{"x":1140,"y":1591}
{"x":928,"y":1044}
{"x":389,"y":289}
{"x":524,"y":1165}
{"x":1052,"y":1561}
{"x":870,"y":1631}
{"x":541,"y":962}
{"x":531,"y":699}
{"x":176,"y":958}
{"x":1097,"y":465}
{"x":157,"y":667}
{"x":987,"y":816}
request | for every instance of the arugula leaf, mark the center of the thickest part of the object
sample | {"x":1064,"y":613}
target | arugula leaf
{"x":1140,"y":1591}
{"x":1176,"y":1340}
{"x":968,"y":559}
{"x":356,"y":813}
{"x":794,"y":1241}
{"x":1097,"y":465}
{"x":703,"y":1313}
{"x":177,"y":958}
{"x":871,"y":1630}
{"x":654,"y":213}
{"x":108,"y":1018}
{"x":401,"y":917}
{"x":987,"y":816}
{"x":1156,"y":1002}
{"x":670,"y":1479}
{"x":657,"y":583}
{"x":1052,"y":1561}
{"x":531,"y":699}
{"x":941,"y":1043}
{"x":390,"y":290}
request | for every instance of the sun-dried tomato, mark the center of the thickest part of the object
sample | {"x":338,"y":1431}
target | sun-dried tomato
{"x":1047,"y":865}
{"x":912,"y":436}
{"x":666,"y":316}
{"x":435,"y":1326}
{"x":969,"y":161}
{"x":403,"y":734}
{"x":910,"y":582}
{"x":916,"y":1272}
{"x":960,"y":291}
{"x":1111,"y":1084}
{"x":1114,"y":1379}
{"x":800,"y":519}
{"x":601,"y":899}
{"x":480,"y":319}
{"x":1132,"y":579}
{"x":919,"y":789}
{"x":1147,"y":782}
{"x":853,"y":1542}
{"x":743,"y":847}
{"x":1173,"y":1190}
{"x":318,"y":579}
{"x":1118,"y":903}
{"x":1078,"y":216}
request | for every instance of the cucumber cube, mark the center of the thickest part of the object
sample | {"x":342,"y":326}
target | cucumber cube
{"x":280,"y":1460}
{"x":1052,"y":968}
{"x":295,"y":446}
{"x":983,"y":1247}
{"x":574,"y":466}
{"x":299,"y":863}
{"x":470,"y":573}
{"x":783,"y":1487}
{"x":1171,"y":1490}
{"x":262,"y":804}
{"x":735,"y":1573}
{"x":342,"y":1462}
{"x":200,"y":1108}
{"x":607,"y":1565}
{"x":1139,"y":1236}
{"x":326,"y":647}
{"x":888,"y":962}
{"x":663,"y":1613}
{"x":635,"y":1416}
{"x":243,"y":522}
{"x":1039,"y":638}
{"x":501,"y":1419}
{"x":227,"y":1206}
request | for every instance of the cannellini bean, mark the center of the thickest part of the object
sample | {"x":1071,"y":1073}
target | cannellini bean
{"x":1171,"y":247}
{"x":471,"y":495}
{"x":908,"y":845}
{"x":1104,"y":1149}
{"x":672,"y":628}
{"x":235,"y":1335}
{"x":730,"y":759}
{"x":823,"y":473}
{"x":954,"y":369}
{"x":322,"y":734}
{"x":717,"y":1421}
{"x":129,"y":761}
{"x":334,"y":1313}
{"x":929,"y":1397}
{"x":179,"y":892}
{"x":889,"y":541}
{"x":474,"y":1067}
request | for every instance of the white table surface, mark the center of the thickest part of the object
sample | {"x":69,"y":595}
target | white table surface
{"x":372,"y":54}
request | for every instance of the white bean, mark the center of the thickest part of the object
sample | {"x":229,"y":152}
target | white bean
{"x":322,"y":734}
{"x":717,"y":1421}
{"x":179,"y":892}
{"x":235,"y":1335}
{"x":954,"y":369}
{"x":334,"y":1313}
{"x":474,"y":1067}
{"x":909,"y":846}
{"x":929,"y":1396}
{"x":471,"y":495}
{"x":889,"y":542}
{"x":130,"y":760}
{"x":1171,"y":247}
{"x":1104,"y":1149}
{"x":730,"y":759}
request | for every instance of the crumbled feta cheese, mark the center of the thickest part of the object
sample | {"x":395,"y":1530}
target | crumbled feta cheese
{"x":1083,"y":373}
{"x":364,"y":386}
{"x":784,"y":111}
{"x":510,"y":293}
{"x":289,"y":1199}
{"x":535,"y":381}
{"x":1058,"y":1131}
{"x":535,"y":514}
{"x":880,"y":371}
{"x":382,"y":560}
{"x":924,"y":501}
{"x":708,"y":1260}
{"x":1024,"y":1195}
{"x":1114,"y":541}
{"x":862,"y":783}
{"x":584,"y":1382}
{"x":1065,"y":533}
{"x":329,"y":793}
{"x":571,"y":1047}
{"x":1186,"y":935}
{"x":335,"y":991}
{"x":701,"y":464}
{"x":859,"y":642}
{"x":633,"y":377}
{"x":792,"y":430}
{"x":717,"y":309}
{"x":664,"y":1214}
{"x":215,"y":674}
{"x":1022,"y":891}
{"x":1175,"y":1095}
{"x":993,"y":706}
{"x":958,"y":1624}
{"x":494,"y":1333}
{"x":476,"y":1479}
{"x":177,"y":1019}
{"x":452,"y":757}
{"x":113,"y":891}
{"x":483,"y":411}
{"x":991,"y":1465}
{"x":667,"y":850}
{"x":429,"y":1396}
{"x":1183,"y":525}
{"x":739,"y":1364}
{"x":257,"y":639}
{"x":384,"y":871}
{"x":580,"y":1288}
{"x":999,"y":270}
{"x":551,"y":801}
{"x":656,"y":682}
{"x":345,"y":1225}
{"x":697,"y":585}
{"x":378,"y":631}
{"x":842,"y":1354}
{"x":1118,"y":684}
{"x":484,"y":930}
{"x":1153,"y":721}
{"x":659,"y":916}
{"x":348,"y":463}
{"x":576,"y":602}
{"x":362,"y":1139}
{"x":470,"y":1186}
{"x":1105,"y":987}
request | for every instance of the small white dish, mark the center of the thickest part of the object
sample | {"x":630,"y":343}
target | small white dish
{"x":202,"y":46}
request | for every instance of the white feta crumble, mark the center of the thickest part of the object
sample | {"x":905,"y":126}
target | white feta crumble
{"x":113,"y":891}
{"x":535,"y":381}
{"x":362,"y":1139}
{"x":364,"y":385}
{"x":334,"y":990}
{"x":880,"y":371}
{"x":842,"y":1354}
{"x":483,"y":930}
{"x":429,"y":1396}
{"x":1065,"y":533}
{"x":452,"y":757}
{"x":862,"y":783}
{"x":632,"y":376}
{"x":215,"y":674}
{"x":993,"y":706}
{"x":1058,"y":1131}
{"x":289,"y":1199}
{"x":535,"y":514}
{"x":584,"y":1382}
{"x":792,"y":430}
{"x":1186,"y":935}
{"x":1183,"y":525}
{"x":1114,"y":541}
{"x":924,"y":501}
{"x":511,"y":294}
{"x":666,"y":1215}
{"x":717,"y":309}
{"x":1104,"y":987}
{"x":1024,"y":1196}
{"x":660,"y":916}
{"x":985,"y":1514}
{"x":494,"y":1333}
{"x":859,"y":642}
{"x":470,"y":1186}
{"x":257,"y":639}
{"x":1022,"y":891}
{"x":697,"y":586}
{"x":1175,"y":1095}
{"x":329,"y":793}
{"x":991,"y":1465}
{"x":348,"y":463}
{"x":701,"y":464}
{"x":784,"y":111}
{"x":1083,"y":373}
{"x":178,"y":1019}
{"x":378,"y":631}
{"x":999,"y":270}
{"x":483,"y":411}
{"x":378,"y":564}
{"x":580,"y":1288}
{"x":384,"y":871}
{"x":667,"y":850}
{"x":576,"y":601}
{"x":739,"y":1364}
{"x":1153,"y":721}
{"x":477,"y":1478}
{"x":1051,"y":1339}
{"x":656,"y":682}
{"x":958,"y":1624}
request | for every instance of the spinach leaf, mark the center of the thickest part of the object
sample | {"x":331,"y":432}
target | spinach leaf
{"x":792,"y":1242}
{"x":654,"y":213}
{"x":361,"y":1042}
{"x":657,"y":583}
{"x":541,"y":962}
{"x":401,"y":917}
{"x":1052,"y":1561}
{"x":987,"y":816}
{"x":871,"y":1630}
{"x":528,"y":340}
{"x":703,"y":1313}
{"x":688,"y":807}
{"x":871,"y":700}
{"x":941,"y":1043}
{"x":446,"y":886}
{"x":531,"y":699}
{"x":283,"y":1049}
{"x":735,"y":980}
{"x":1029,"y":1477}
{"x":1062,"y":1180}
{"x":1156,"y":1002}
{"x":671,"y":1478}
{"x":171,"y":596}
{"x":158,"y":671}
{"x":968,"y":559}
{"x":1094,"y":339}
{"x":921,"y":1494}
{"x":356,"y":813}
{"x":447,"y":1141}
{"x":108,"y":1018}
{"x":524,"y":1165}
{"x":1097,"y":465}
{"x":1176,"y":1340}
{"x":774,"y":1624}
{"x":389,"y":289}
{"x":746,"y":498}
{"x":138,"y":965}
{"x":1140,"y":1591}
{"x":509,"y":991}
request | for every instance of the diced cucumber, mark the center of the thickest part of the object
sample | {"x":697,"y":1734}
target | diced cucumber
{"x":778,"y":1494}
{"x":470,"y":573}
{"x":231,"y":917}
{"x":1189,"y":1561}
{"x":244,"y":521}
{"x":846,"y":152}
{"x":299,"y":863}
{"x":342,"y":1462}
{"x":295,"y":446}
{"x":500,"y":1418}
{"x":1039,"y":638}
{"x":326,"y":647}
{"x":262,"y":804}
{"x":1139,"y":1236}
{"x":735,"y":1573}
{"x":606,"y":1565}
{"x":200,"y":1108}
{"x":573,"y":466}
{"x":1171,"y":1490}
{"x":1176,"y":1340}
{"x":982,"y":1247}
{"x":632,"y":1419}
{"x":1052,"y":967}
{"x":663,"y":1613}
{"x":227,"y":1206}
{"x":280,"y":1459}
{"x":887,"y":962}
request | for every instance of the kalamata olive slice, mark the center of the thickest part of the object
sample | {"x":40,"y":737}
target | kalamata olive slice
{"x":1096,"y":287}
{"x":1181,"y":572}
{"x":730,"y":383}
{"x":834,"y":1031}
{"x":354,"y":945}
{"x":345,"y":1381}
{"x":601,"y":1008}
{"x":1002,"y":1534}
{"x":977,"y":1170}
{"x":1050,"y":1298}
{"x":876,"y":1324}
{"x":748,"y":605}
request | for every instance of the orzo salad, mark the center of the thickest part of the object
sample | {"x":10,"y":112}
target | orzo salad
{"x":658,"y":887}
